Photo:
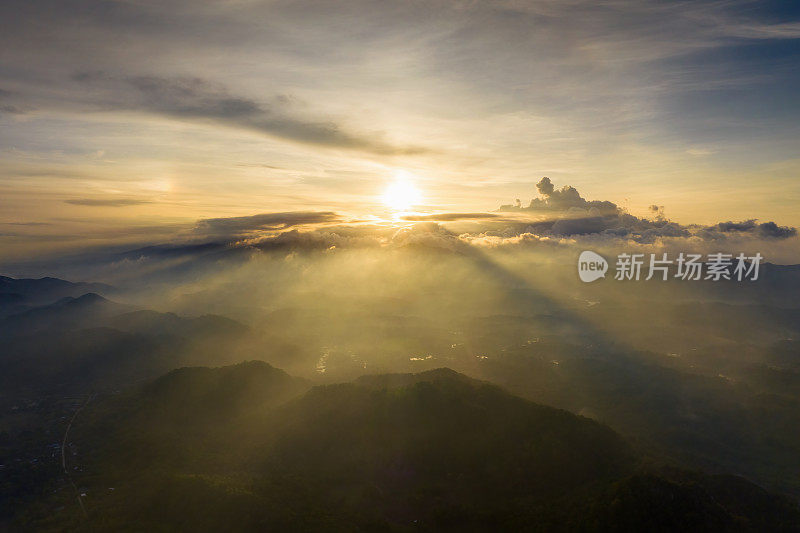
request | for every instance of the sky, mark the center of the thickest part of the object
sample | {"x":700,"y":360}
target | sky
{"x":130,"y":121}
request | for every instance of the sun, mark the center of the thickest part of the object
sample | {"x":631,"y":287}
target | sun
{"x":401,"y":194}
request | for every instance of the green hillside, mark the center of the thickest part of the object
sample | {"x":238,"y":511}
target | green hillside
{"x":250,"y":448}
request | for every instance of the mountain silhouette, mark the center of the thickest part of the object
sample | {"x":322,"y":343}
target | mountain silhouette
{"x":66,"y":313}
{"x":250,"y":448}
{"x":43,"y":291}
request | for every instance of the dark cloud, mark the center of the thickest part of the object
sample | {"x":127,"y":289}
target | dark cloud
{"x":572,"y":215}
{"x":728,"y":227}
{"x":237,"y":226}
{"x":553,"y":199}
{"x":772,"y":230}
{"x":6,"y":107}
{"x":450,"y":217}
{"x":580,"y":226}
{"x":767,"y":230}
{"x":106,"y":202}
{"x":545,"y":187}
{"x":195,"y":98}
{"x":11,"y":110}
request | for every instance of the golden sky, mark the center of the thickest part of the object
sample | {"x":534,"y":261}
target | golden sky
{"x":123,"y":120}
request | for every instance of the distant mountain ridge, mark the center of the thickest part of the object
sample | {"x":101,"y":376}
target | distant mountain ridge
{"x":66,"y":313}
{"x":48,"y":289}
{"x":90,"y":341}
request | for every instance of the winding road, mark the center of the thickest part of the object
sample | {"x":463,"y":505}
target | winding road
{"x":64,"y":456}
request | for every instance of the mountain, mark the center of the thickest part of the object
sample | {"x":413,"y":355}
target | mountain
{"x":444,"y":451}
{"x":190,"y":393}
{"x":249,"y":448}
{"x":67,"y":313}
{"x":169,"y":324}
{"x":17,"y":295}
{"x":77,"y":361}
{"x":90,"y":343}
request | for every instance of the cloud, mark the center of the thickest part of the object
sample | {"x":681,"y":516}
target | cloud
{"x":523,"y":240}
{"x":562,"y":199}
{"x":428,"y":235}
{"x":700,"y":151}
{"x":320,"y":239}
{"x":572,"y":215}
{"x":9,"y":108}
{"x":238,"y":226}
{"x":767,"y":230}
{"x":106,"y":202}
{"x":772,"y":230}
{"x":450,"y":217}
{"x":194,"y":98}
{"x":745,"y":225}
{"x":545,"y":186}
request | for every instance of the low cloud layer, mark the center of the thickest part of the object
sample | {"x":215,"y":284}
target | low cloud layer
{"x":558,"y":217}
{"x":569,"y":214}
{"x":556,"y":224}
{"x":450,"y":217}
{"x":234,"y":227}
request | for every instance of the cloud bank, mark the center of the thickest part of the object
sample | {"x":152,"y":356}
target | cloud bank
{"x":570,"y":215}
{"x":235,"y":227}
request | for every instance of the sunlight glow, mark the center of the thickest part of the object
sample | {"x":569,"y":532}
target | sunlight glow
{"x":401,"y":195}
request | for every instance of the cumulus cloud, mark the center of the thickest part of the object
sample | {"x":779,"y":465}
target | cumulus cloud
{"x":772,"y":230}
{"x":572,"y":215}
{"x":562,"y":199}
{"x":427,"y":234}
{"x":750,"y":227}
{"x":545,"y":187}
